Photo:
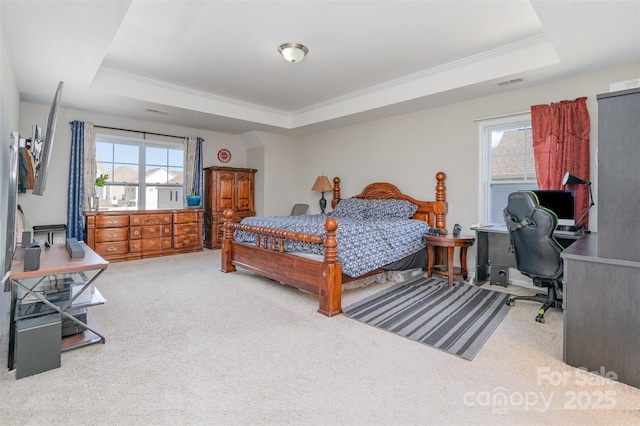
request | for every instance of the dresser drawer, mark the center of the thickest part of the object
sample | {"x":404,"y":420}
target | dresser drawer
{"x":152,"y":244}
{"x":151,"y":219}
{"x":111,"y":234}
{"x":108,"y":249}
{"x":185,"y":228}
{"x":135,"y":233}
{"x":135,"y":246}
{"x":185,"y":241}
{"x":112,"y":221}
{"x":185,"y":217}
{"x":155,"y":231}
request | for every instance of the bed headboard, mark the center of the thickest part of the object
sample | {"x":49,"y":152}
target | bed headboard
{"x":432,"y":212}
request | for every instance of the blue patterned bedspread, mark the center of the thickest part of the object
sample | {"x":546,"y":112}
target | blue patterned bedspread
{"x":363,"y":246}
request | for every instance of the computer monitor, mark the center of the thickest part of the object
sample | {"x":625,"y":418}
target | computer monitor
{"x":561,"y":202}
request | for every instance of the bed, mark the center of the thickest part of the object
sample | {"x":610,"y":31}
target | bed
{"x":310,"y":260}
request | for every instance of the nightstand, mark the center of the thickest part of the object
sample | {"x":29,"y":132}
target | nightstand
{"x":449,"y":242}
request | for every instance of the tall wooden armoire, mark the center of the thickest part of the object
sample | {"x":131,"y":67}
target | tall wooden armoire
{"x":226,"y":188}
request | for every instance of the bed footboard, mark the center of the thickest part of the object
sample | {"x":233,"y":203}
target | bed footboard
{"x":267,"y":258}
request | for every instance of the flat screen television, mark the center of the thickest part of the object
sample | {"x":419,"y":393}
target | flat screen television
{"x":42,"y":167}
{"x":561,"y":202}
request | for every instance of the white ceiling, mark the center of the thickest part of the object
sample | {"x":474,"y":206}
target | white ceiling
{"x":214,"y":65}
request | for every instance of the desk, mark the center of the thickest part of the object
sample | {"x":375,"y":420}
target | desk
{"x":450,"y":242}
{"x":32,"y":294}
{"x":493,"y":251}
{"x":601,"y":297}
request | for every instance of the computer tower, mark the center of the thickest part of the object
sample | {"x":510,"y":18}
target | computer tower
{"x":38,"y":344}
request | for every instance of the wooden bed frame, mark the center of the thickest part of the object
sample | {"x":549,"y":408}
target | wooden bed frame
{"x":323,"y":278}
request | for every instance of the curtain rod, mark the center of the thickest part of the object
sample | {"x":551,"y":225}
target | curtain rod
{"x":501,"y":116}
{"x":136,"y":131}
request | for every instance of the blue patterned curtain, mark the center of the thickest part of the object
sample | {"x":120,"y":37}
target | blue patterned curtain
{"x":197,"y":168}
{"x":75,"y":195}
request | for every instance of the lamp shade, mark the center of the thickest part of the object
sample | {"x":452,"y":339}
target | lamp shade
{"x":570,"y":179}
{"x":322,"y":184}
{"x":293,"y":52}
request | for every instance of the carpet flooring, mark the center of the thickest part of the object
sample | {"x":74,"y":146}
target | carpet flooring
{"x":457,"y":320}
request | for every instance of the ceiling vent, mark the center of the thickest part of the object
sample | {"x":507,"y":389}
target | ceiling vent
{"x":157,"y":111}
{"x":508,"y":82}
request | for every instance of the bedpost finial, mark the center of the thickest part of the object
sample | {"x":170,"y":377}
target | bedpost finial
{"x":440,"y":176}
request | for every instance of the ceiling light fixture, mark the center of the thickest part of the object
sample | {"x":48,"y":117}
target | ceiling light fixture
{"x":293,"y":52}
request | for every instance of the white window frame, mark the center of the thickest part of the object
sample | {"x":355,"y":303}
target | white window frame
{"x":142,"y":144}
{"x":484,"y":130}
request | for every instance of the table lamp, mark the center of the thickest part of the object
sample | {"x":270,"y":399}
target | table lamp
{"x":322,"y":185}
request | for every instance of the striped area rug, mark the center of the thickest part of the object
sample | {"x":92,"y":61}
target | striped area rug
{"x":457,"y":320}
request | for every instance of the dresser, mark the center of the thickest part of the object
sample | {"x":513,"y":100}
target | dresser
{"x":226,"y":188}
{"x":127,"y":235}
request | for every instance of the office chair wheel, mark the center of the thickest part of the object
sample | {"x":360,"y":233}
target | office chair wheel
{"x":511,"y":302}
{"x":540,"y":319}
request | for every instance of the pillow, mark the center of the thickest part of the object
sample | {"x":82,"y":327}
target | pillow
{"x":351,"y":208}
{"x":389,"y":209}
{"x":362,"y":209}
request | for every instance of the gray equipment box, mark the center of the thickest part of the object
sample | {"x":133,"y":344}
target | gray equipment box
{"x":71,"y":327}
{"x":38,"y":344}
{"x":499,"y":275}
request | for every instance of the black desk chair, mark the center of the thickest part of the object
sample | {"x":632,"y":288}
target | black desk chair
{"x":537,"y":253}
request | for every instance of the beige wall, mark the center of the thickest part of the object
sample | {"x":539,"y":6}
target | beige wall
{"x":51,"y":208}
{"x":407,"y":150}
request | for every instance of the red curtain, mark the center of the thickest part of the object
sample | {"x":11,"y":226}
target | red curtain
{"x":560,"y":145}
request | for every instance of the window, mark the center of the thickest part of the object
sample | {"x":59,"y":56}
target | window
{"x":143,"y":174}
{"x":507,"y":163}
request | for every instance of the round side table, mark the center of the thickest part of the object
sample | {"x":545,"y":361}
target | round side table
{"x":449,"y":242}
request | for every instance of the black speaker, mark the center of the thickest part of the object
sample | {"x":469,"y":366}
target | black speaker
{"x":499,"y":275}
{"x":32,"y":258}
{"x":26,"y":239}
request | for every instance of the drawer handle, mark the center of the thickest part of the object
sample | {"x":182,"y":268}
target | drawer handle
{"x":186,"y":228}
{"x":152,"y":229}
{"x":112,"y":221}
{"x":186,"y":241}
{"x":110,"y":249}
{"x":185,"y":217}
{"x":136,"y":245}
{"x":136,"y":232}
{"x":166,"y":231}
{"x":167,"y":219}
{"x":152,"y":242}
{"x":112,"y":235}
{"x":136,"y":220}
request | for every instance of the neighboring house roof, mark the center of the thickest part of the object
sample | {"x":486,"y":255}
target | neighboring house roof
{"x":155,"y":175}
{"x":508,"y":159}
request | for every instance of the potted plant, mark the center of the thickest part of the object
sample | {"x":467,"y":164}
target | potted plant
{"x":102,"y":179}
{"x":193,"y":200}
{"x":100,"y":182}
